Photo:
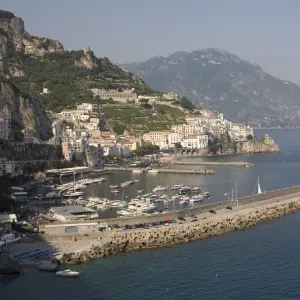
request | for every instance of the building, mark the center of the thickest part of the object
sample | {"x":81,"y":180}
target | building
{"x":155,"y":137}
{"x":171,"y":96}
{"x":6,"y":221}
{"x":120,"y":96}
{"x":72,"y":212}
{"x":7,"y":167}
{"x":5,"y":124}
{"x":45,"y":91}
{"x":85,"y":106}
{"x":70,"y":229}
{"x":195,"y":142}
{"x":75,"y":114}
{"x":174,"y":138}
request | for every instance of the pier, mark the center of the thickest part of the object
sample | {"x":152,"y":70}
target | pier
{"x":210,"y":163}
{"x":164,"y":170}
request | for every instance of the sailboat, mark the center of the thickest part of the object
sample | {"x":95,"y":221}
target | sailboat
{"x":258,"y":187}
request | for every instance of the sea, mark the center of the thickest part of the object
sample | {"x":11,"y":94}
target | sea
{"x":262,"y":262}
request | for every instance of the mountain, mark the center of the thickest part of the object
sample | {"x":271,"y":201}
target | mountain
{"x":26,"y":112}
{"x":33,"y":63}
{"x":219,"y":80}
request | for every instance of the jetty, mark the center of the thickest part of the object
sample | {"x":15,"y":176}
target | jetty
{"x":211,"y":163}
{"x":169,"y":170}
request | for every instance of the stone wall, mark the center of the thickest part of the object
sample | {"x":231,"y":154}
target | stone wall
{"x":139,"y":239}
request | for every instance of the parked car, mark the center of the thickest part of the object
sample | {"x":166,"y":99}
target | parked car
{"x":212,"y":211}
{"x":229,"y":207}
{"x":181,"y":218}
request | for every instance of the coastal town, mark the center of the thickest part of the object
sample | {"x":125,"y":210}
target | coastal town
{"x":78,"y":132}
{"x":94,"y":162}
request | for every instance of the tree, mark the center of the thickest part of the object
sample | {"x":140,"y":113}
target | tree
{"x":6,"y":201}
{"x":249,"y":137}
{"x":178,"y":145}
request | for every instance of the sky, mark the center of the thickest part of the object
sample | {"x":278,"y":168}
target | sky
{"x":261,"y":31}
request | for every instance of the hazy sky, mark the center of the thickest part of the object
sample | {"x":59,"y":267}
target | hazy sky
{"x":262,"y":31}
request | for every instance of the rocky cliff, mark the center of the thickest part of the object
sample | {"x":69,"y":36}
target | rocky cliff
{"x":264,"y":145}
{"x":37,"y":46}
{"x":26,"y":112}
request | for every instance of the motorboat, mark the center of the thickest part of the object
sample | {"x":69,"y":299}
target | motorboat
{"x":153,"y":171}
{"x":183,"y":202}
{"x":160,"y":189}
{"x":113,"y":186}
{"x":177,"y":187}
{"x":137,"y":171}
{"x":197,"y":198}
{"x":68,"y":273}
{"x":73,"y":194}
{"x":116,"y":191}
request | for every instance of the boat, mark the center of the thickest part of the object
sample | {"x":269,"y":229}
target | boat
{"x":257,"y":187}
{"x":116,"y":191}
{"x":138,"y":171}
{"x":140,"y":191}
{"x":73,"y":194}
{"x":68,"y":273}
{"x":153,"y":171}
{"x":183,"y":202}
{"x":47,"y":266}
{"x":177,"y":187}
{"x":197,"y":198}
{"x":113,"y":186}
{"x":160,"y":189}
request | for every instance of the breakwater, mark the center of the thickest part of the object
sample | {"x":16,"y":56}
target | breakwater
{"x":223,"y":222}
{"x":170,"y":170}
{"x":210,"y":163}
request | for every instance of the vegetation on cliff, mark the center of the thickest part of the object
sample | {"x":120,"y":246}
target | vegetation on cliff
{"x":69,"y":83}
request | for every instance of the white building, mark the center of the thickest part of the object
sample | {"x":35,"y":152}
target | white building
{"x":5,"y":124}
{"x":173,"y":138}
{"x":7,"y":167}
{"x":71,"y":114}
{"x":122,"y":96}
{"x":195,"y":142}
{"x":85,"y":106}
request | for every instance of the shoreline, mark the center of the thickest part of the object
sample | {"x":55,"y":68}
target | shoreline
{"x":225,"y":221}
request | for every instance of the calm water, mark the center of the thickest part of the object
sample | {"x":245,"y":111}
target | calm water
{"x":262,"y":262}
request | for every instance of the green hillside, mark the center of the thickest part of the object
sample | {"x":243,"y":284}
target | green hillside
{"x":69,"y":83}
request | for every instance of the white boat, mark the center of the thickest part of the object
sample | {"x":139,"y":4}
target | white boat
{"x":113,"y":186}
{"x":257,"y":189}
{"x":73,"y":194}
{"x":138,"y":171}
{"x":68,"y":273}
{"x":197,"y":198}
{"x":160,"y":189}
{"x":177,"y":187}
{"x":153,"y":171}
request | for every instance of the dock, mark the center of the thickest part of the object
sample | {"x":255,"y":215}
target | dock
{"x":211,"y":163}
{"x":165,"y":170}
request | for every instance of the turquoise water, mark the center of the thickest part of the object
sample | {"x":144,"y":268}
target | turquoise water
{"x":262,"y":262}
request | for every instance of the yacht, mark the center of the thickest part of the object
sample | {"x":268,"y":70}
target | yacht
{"x":73,"y":194}
{"x":68,"y":273}
{"x":137,"y":171}
{"x":113,"y":186}
{"x":197,"y":198}
{"x":177,"y":187}
{"x":160,"y":189}
{"x":153,"y":171}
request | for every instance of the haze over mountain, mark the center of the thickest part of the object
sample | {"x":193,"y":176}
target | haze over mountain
{"x":219,"y":80}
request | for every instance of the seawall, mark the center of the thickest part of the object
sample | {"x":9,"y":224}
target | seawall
{"x":223,"y":222}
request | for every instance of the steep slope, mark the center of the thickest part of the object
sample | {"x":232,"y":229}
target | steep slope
{"x":27,"y":113}
{"x":217,"y":79}
{"x":33,"y":63}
